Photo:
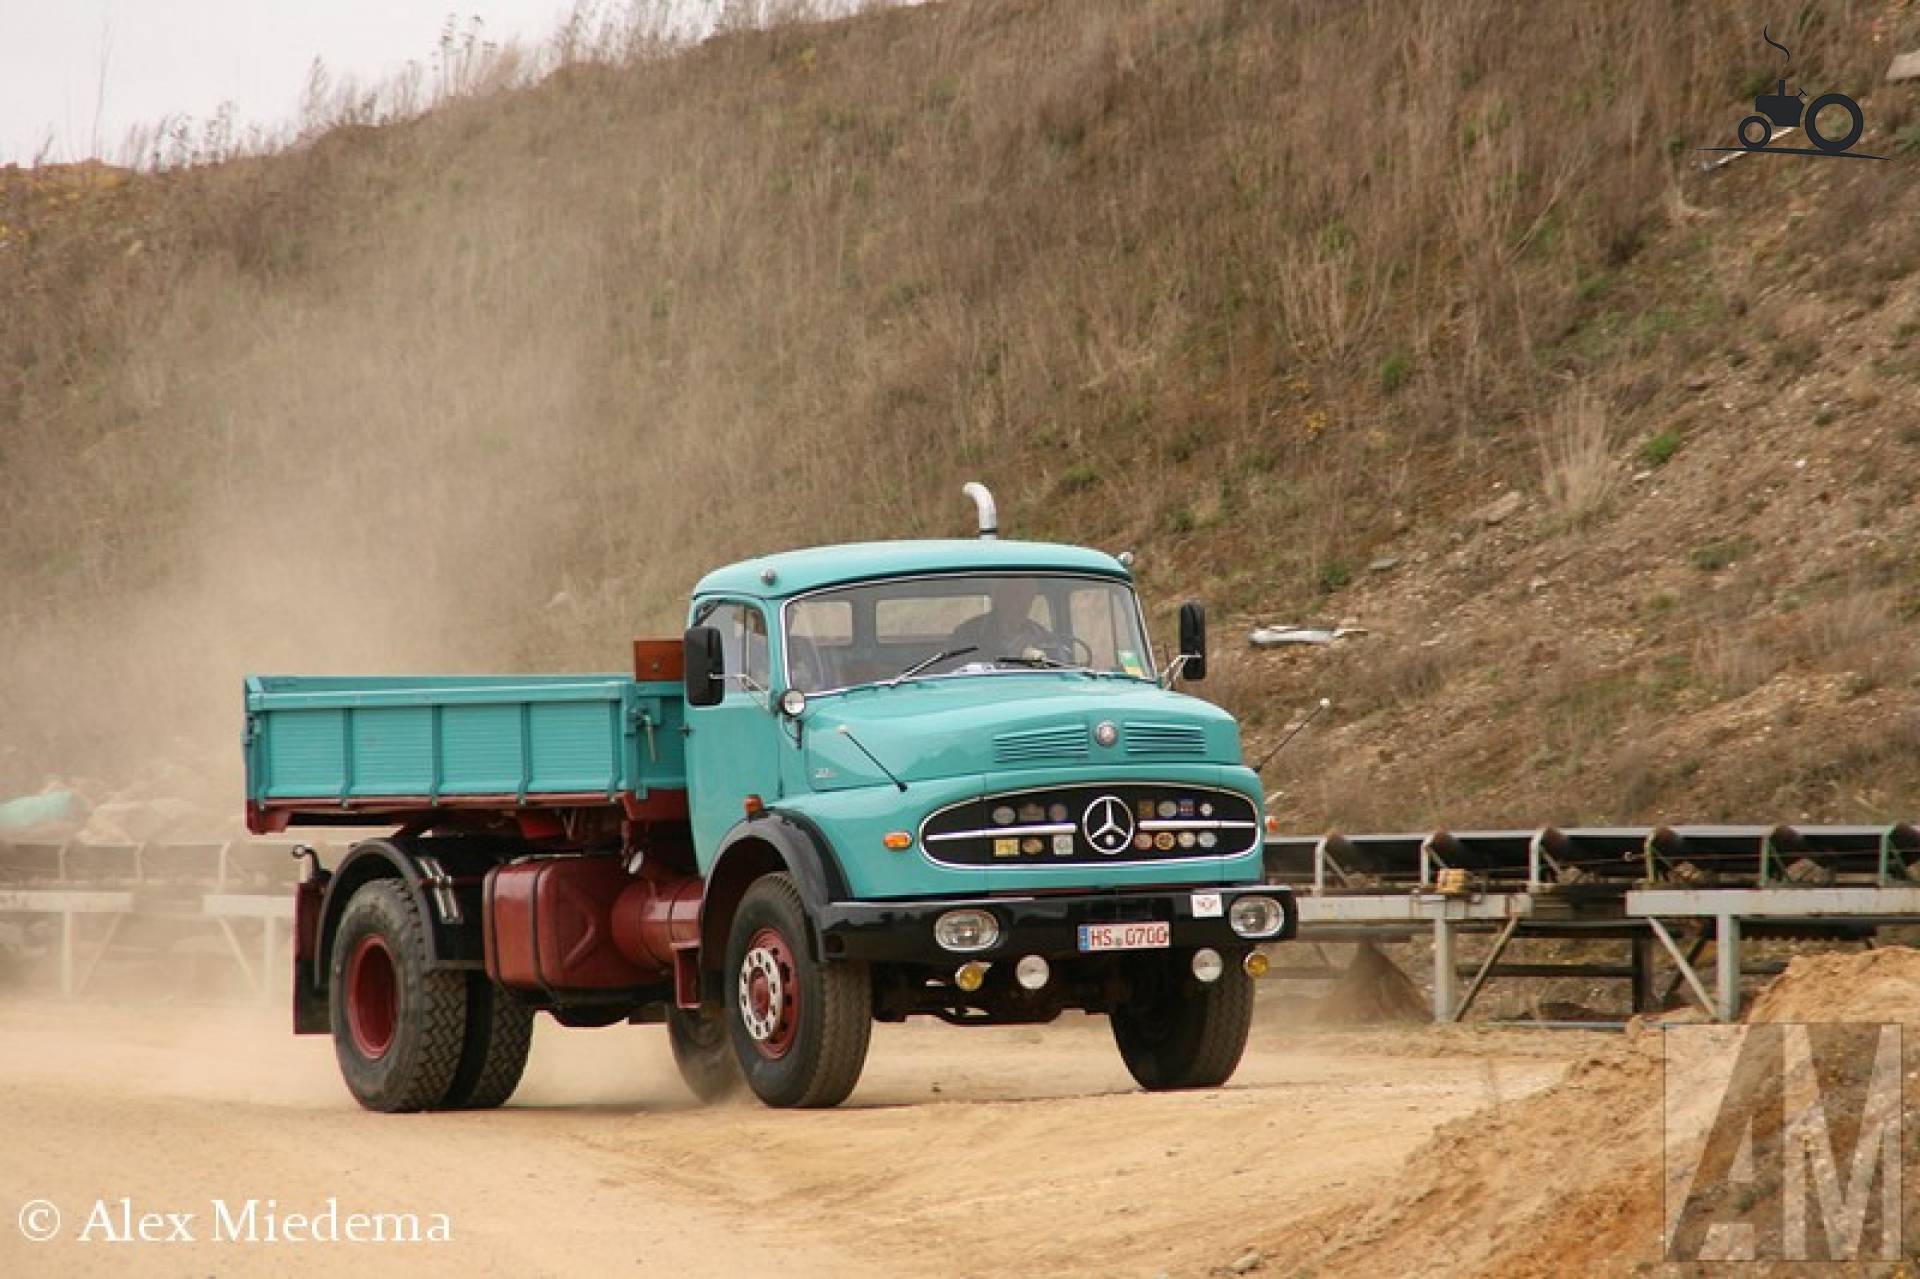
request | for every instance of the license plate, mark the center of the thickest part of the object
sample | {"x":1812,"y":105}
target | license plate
{"x":1151,"y":936}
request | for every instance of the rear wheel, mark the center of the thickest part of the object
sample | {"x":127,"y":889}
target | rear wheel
{"x":398,"y":1028}
{"x":799,"y":1027}
{"x":493,"y":1055}
{"x":703,"y":1052}
{"x":1178,"y":1032}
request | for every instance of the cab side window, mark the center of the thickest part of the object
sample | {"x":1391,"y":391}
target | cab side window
{"x":743,"y":641}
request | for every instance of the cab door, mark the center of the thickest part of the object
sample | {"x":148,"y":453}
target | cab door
{"x":732,"y":746}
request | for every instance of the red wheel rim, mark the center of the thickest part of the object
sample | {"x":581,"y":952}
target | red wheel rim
{"x":373,"y":997}
{"x":769,"y":994}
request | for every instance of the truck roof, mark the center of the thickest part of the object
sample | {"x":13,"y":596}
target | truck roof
{"x":818,"y":566}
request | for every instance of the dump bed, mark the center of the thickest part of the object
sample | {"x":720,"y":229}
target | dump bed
{"x":328,"y":749}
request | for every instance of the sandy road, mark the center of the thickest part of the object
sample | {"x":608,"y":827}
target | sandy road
{"x":982,"y":1152}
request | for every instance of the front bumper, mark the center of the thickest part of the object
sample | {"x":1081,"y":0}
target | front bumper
{"x":1044,"y":924}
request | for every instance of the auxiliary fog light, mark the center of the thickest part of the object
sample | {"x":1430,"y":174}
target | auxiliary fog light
{"x":969,"y":977}
{"x":965,"y":931}
{"x":1207,"y":964}
{"x":1255,"y":916}
{"x":1032,"y":972}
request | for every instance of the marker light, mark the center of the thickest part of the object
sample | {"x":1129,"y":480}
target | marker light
{"x":970,"y":977}
{"x":966,"y":931}
{"x":1032,"y":972}
{"x":1256,"y":964}
{"x":1207,"y":964}
{"x":897,"y":840}
{"x":1255,"y":916}
{"x":753,"y":805}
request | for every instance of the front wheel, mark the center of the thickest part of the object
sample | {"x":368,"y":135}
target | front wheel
{"x":799,"y":1027}
{"x":1175,"y":1031}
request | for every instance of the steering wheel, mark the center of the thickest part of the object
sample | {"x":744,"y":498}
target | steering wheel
{"x":1068,"y":648}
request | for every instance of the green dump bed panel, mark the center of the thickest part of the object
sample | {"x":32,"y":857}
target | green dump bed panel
{"x":527,"y":737}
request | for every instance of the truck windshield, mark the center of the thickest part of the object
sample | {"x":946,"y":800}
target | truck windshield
{"x":975,"y":624}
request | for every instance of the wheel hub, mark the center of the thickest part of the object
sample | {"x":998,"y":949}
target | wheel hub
{"x":373,"y":997}
{"x":769,"y":994}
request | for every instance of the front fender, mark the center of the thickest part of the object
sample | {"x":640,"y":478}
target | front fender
{"x":773,"y":843}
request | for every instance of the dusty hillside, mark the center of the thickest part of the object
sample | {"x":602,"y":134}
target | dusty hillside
{"x":1287,"y":298}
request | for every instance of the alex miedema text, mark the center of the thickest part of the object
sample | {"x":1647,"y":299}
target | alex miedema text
{"x":259,"y":1221}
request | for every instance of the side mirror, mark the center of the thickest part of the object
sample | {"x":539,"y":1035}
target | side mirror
{"x":1193,"y":640}
{"x":706,"y":666}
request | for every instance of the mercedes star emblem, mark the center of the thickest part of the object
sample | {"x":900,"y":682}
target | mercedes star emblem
{"x":1108,"y":824}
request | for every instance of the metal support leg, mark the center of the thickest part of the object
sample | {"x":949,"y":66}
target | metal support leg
{"x":1726,"y":946}
{"x":268,"y":948}
{"x":68,"y":924}
{"x":1642,"y":951}
{"x":1443,"y":974}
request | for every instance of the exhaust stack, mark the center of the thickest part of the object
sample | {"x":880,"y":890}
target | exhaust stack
{"x":983,"y":503}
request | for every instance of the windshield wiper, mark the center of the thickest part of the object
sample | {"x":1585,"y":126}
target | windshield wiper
{"x":1036,"y":659}
{"x":935,"y":660}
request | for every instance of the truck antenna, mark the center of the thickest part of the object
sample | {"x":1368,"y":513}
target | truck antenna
{"x":1311,"y":716}
{"x":847,"y":733}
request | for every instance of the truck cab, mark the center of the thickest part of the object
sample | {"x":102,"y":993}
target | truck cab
{"x":936,"y":777}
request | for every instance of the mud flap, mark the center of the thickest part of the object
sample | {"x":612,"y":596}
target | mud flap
{"x":309,"y":997}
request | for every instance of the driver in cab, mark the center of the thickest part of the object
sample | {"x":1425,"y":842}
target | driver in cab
{"x":1007,"y":628}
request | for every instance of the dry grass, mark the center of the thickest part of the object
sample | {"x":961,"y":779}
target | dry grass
{"x":491,"y":385}
{"x":1578,"y":469}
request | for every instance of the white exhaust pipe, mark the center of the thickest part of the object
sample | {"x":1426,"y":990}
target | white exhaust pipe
{"x":983,"y":503}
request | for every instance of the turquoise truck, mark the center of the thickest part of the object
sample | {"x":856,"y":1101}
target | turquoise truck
{"x":917,"y":778}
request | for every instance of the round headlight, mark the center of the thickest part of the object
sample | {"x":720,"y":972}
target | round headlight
{"x":966,"y":931}
{"x":792,"y":702}
{"x":1255,"y":916}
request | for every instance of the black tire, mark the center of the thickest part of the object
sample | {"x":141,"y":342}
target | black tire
{"x":1857,"y":121}
{"x":825,"y":1011}
{"x":423,"y":1014}
{"x":494,"y":1054}
{"x":703,"y":1051}
{"x":1178,"y":1032}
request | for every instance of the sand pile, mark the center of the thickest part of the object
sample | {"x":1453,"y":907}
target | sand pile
{"x":1880,"y":985}
{"x":1568,"y":1180}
